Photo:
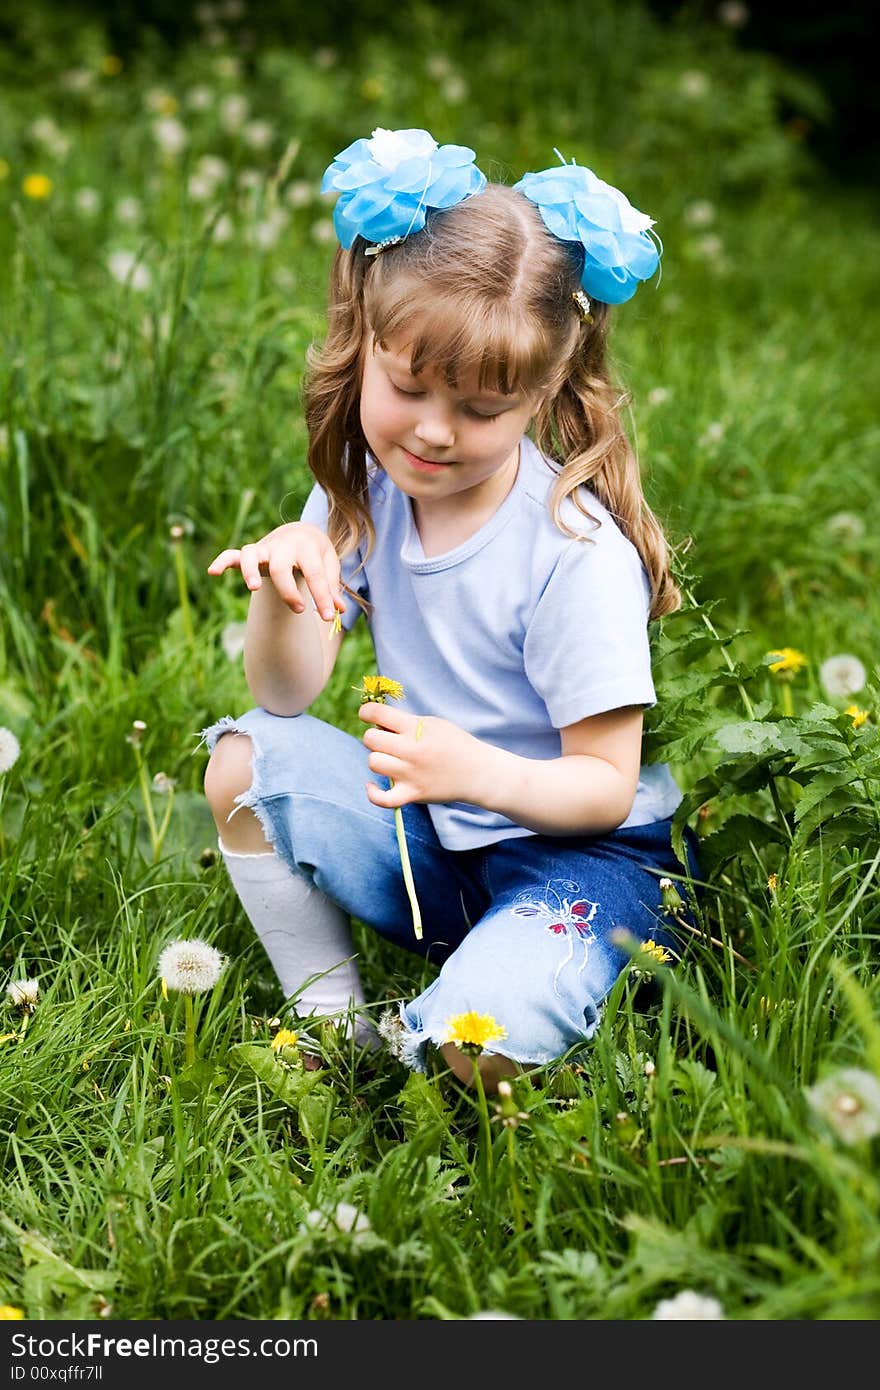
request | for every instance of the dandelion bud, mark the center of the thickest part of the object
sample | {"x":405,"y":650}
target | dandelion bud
{"x":672,"y":900}
{"x":136,"y":735}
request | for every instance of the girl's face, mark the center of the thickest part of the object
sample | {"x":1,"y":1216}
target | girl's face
{"x":436,"y":441}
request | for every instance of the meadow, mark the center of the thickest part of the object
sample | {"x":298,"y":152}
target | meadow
{"x":163,"y":262}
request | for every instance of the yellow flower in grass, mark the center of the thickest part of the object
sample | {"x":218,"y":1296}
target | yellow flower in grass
{"x":472,"y":1031}
{"x":10,"y":1314}
{"x":37,"y":186}
{"x":378,"y":689}
{"x":655,"y":952}
{"x":858,"y":716}
{"x":285,"y":1037}
{"x":787,"y":661}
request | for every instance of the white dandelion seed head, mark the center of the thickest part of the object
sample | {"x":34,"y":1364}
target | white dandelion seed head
{"x":23,"y":993}
{"x":324,"y":58}
{"x":700,"y":214}
{"x":845,"y":526}
{"x":170,"y":135}
{"x":191,"y":967}
{"x":87,"y":201}
{"x":392,"y":1031}
{"x":849,"y":1101}
{"x":199,"y":98}
{"x":233,"y":111}
{"x":344,"y":1218}
{"x":299,"y":193}
{"x":163,"y":784}
{"x":9,"y":750}
{"x":842,"y":675}
{"x":258,"y":134}
{"x":232,"y":640}
{"x":438,"y":66}
{"x":128,"y":210}
{"x":125,"y":267}
{"x":688,"y":1306}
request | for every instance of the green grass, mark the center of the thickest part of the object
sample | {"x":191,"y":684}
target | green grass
{"x":680,"y":1150}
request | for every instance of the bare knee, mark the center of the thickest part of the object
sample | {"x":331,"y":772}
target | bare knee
{"x":493,"y":1067}
{"x":228,"y":774}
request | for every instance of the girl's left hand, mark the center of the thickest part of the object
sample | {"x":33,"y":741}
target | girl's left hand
{"x":427,"y":759}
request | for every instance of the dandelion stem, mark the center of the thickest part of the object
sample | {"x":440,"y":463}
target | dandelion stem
{"x":704,"y":936}
{"x":518,"y":1219}
{"x":189,"y":1017}
{"x":407,"y":871}
{"x":146,"y":796}
{"x":485,"y":1130}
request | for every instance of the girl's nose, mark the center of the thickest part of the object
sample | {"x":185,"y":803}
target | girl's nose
{"x":435,"y":430}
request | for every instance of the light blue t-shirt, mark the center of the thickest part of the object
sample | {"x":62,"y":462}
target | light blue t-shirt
{"x":514,"y":634}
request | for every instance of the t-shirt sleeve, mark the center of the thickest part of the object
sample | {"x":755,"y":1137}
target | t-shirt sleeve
{"x":586,"y":647}
{"x":315,"y":513}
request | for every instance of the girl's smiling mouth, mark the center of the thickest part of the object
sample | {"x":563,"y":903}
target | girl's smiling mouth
{"x":422,"y":465}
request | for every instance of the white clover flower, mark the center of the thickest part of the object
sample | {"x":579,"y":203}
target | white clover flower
{"x":658,"y":395}
{"x":688,"y":1306}
{"x":24,"y":994}
{"x":199,"y":98}
{"x":845,"y":526}
{"x":87,"y":201}
{"x":170,"y":135}
{"x":258,"y":134}
{"x":125,"y":267}
{"x":128,"y":210}
{"x":232,"y":640}
{"x":849,"y":1101}
{"x":344,"y":1218}
{"x":9,"y":749}
{"x":191,"y":967}
{"x":233,"y":111}
{"x":842,"y":675}
{"x":700,"y":213}
{"x":299,"y":193}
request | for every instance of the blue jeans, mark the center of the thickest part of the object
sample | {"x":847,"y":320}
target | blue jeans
{"x":523,"y":929}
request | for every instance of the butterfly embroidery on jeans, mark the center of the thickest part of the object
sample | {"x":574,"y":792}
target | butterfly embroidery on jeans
{"x":566,"y":914}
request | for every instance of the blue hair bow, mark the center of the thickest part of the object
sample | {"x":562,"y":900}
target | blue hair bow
{"x":389,"y":183}
{"x":576,"y":206}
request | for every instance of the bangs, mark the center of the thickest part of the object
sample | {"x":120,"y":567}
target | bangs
{"x":463,"y":336}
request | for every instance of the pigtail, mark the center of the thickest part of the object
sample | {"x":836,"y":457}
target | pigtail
{"x":581,"y":426}
{"x":337,"y":448}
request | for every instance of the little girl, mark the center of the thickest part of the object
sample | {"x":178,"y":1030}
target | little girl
{"x":476,"y":499}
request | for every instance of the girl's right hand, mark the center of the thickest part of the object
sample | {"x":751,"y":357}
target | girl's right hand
{"x":294,"y":546}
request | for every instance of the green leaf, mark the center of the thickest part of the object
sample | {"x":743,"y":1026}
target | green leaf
{"x":290,"y":1084}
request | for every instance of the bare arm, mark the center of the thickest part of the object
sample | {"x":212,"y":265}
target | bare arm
{"x":290,"y":649}
{"x":589,"y":790}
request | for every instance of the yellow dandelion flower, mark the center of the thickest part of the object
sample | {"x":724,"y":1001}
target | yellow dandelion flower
{"x":111,"y":65}
{"x":787,"y":661}
{"x":10,"y":1314}
{"x":654,"y":951}
{"x":37,"y":186}
{"x":285,"y":1037}
{"x":772,"y":882}
{"x":7,"y":1037}
{"x":379,"y":689}
{"x":472,"y":1031}
{"x":372,"y":88}
{"x":858,"y":716}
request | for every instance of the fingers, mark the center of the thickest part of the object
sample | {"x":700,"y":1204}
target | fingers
{"x":283,"y":556}
{"x":385,"y":717}
{"x":391,"y":798}
{"x":227,"y":559}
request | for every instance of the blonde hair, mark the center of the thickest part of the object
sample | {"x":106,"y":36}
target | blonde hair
{"x":483,"y":291}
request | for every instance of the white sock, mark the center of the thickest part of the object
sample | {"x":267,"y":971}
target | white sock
{"x":304,"y":934}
